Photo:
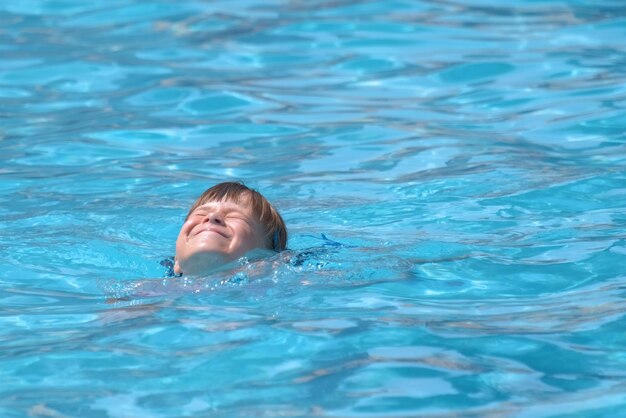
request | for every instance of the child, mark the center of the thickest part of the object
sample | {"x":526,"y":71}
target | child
{"x":227,"y":221}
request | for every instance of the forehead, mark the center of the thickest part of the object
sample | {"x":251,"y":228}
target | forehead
{"x":242,"y":198}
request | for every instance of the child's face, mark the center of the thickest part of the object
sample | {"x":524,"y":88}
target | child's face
{"x":216,"y":233}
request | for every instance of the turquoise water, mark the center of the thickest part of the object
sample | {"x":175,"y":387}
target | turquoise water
{"x":465,"y":161}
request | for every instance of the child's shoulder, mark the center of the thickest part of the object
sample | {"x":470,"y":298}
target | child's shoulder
{"x":168,"y":263}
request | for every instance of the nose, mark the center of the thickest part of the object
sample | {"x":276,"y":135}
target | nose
{"x":214,"y":218}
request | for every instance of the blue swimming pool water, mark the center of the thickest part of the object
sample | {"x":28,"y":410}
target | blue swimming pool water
{"x":465,"y":160}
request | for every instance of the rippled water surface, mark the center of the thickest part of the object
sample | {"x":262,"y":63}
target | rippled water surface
{"x":453,"y":175}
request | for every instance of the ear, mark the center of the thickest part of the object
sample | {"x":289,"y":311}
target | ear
{"x":177,"y":269}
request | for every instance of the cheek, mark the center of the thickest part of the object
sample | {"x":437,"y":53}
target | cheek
{"x":180,"y":246}
{"x":249,"y":239}
{"x":186,"y":229}
{"x":181,"y":240}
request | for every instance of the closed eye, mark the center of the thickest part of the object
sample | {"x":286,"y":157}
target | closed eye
{"x":239,"y":217}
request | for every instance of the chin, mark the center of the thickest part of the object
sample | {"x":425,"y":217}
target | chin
{"x":203,"y":262}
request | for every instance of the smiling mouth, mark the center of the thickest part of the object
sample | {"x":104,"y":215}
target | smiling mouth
{"x":214,"y":231}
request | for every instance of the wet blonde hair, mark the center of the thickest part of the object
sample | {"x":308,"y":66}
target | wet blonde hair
{"x":238,"y":193}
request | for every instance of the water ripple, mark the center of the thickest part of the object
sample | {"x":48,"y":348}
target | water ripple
{"x":462,"y":159}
